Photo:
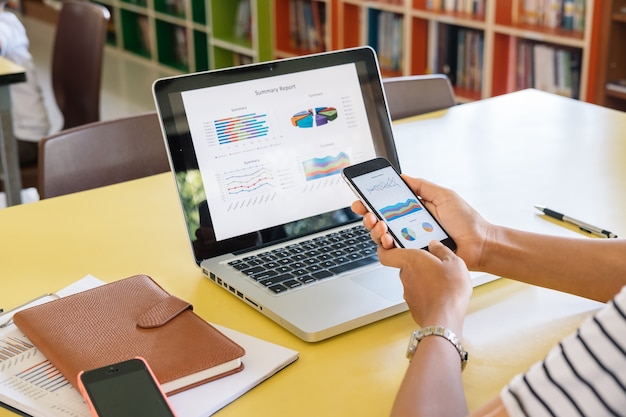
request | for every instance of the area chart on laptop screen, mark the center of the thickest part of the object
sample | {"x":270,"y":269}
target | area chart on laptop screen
{"x":326,"y":166}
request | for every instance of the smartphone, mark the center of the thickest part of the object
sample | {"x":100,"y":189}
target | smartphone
{"x":383,"y":192}
{"x":127,"y":388}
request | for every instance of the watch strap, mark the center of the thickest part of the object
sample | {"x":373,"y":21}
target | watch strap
{"x":440,"y":331}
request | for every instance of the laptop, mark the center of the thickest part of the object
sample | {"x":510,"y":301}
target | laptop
{"x":257,"y":153}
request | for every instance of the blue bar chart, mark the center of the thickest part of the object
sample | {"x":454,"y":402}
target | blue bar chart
{"x":240,"y":128}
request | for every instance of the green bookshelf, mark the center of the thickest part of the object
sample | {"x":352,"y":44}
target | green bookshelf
{"x":192,"y":35}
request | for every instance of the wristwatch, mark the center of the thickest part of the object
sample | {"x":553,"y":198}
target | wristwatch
{"x":441,"y":331}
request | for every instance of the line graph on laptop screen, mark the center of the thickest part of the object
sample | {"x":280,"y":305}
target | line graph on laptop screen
{"x":250,"y":186}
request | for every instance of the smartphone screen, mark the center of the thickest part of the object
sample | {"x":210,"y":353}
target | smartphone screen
{"x":124,"y":389}
{"x":379,"y":186}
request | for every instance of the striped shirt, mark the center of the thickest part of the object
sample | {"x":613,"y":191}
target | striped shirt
{"x":584,"y":375}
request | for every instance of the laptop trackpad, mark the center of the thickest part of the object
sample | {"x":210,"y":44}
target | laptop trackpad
{"x":384,"y":282}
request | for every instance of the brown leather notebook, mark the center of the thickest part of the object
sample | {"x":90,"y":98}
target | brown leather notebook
{"x":128,"y":318}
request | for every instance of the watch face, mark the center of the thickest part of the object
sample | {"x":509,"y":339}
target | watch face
{"x":410,"y":350}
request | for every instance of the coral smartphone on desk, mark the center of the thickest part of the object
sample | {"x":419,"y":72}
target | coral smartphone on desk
{"x":383,"y":192}
{"x":126,"y":388}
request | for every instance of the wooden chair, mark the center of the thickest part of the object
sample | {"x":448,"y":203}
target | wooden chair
{"x":417,"y":94}
{"x":101,"y":153}
{"x":77,"y":56}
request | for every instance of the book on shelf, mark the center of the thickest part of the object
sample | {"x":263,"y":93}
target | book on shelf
{"x":243,"y":20}
{"x":307,"y":25}
{"x":547,"y":67}
{"x":446,"y":53}
{"x":386,"y":37}
{"x":241,"y":59}
{"x":23,"y":390}
{"x":181,"y":56}
{"x":143,"y":27}
{"x":459,"y":55}
{"x":511,"y":74}
{"x":127,"y":318}
{"x":469,"y":60}
{"x":471,"y":7}
{"x":564,"y":14}
{"x":175,"y":7}
{"x":395,"y":2}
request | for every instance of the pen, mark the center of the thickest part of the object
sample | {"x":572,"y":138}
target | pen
{"x":585,"y":227}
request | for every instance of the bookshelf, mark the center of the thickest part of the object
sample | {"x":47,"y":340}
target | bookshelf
{"x":611,"y":86}
{"x":486,"y":47}
{"x":191,"y":35}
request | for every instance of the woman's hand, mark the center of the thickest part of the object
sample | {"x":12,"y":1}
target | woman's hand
{"x":466,"y":227}
{"x":437,"y":285}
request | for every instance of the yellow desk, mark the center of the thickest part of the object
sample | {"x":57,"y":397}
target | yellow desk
{"x":9,"y":73}
{"x":570,"y":158}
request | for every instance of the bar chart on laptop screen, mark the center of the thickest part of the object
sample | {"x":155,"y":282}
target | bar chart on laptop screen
{"x":237,"y":128}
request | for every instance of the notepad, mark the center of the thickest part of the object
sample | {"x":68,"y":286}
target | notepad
{"x":130,"y":317}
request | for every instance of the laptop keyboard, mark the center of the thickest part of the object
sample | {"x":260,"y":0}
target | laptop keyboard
{"x":310,"y":261}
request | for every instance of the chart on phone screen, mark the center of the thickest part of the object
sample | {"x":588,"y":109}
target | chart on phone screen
{"x":407,"y":218}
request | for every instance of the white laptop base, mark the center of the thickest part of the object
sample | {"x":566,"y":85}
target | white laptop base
{"x":378,"y":286}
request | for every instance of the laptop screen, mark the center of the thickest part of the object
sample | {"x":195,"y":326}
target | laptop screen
{"x":258,"y":150}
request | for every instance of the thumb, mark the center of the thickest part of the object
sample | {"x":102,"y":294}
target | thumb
{"x":440,"y":250}
{"x":396,"y":257}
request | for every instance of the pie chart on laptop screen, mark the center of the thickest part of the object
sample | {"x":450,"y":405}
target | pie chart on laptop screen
{"x":319,"y":116}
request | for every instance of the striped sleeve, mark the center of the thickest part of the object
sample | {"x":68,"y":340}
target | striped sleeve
{"x":584,"y":375}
